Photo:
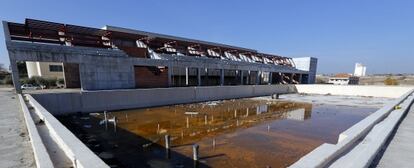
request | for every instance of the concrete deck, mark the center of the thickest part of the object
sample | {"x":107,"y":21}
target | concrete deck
{"x":15,"y":148}
{"x":317,"y":99}
{"x":400,"y":151}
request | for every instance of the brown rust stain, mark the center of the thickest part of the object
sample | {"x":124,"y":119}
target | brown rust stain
{"x":248,"y":133}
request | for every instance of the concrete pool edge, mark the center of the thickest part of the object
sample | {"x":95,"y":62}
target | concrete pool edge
{"x":74,"y":149}
{"x":328,"y":153}
{"x":262,"y":90}
{"x":92,"y":101}
{"x":40,"y":153}
{"x":354,"y":90}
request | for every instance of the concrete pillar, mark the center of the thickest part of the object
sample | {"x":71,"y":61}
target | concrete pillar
{"x":6,"y":31}
{"x":280,"y":78}
{"x":167,"y":141}
{"x":300,"y":79}
{"x":15,"y":74}
{"x":258,"y":78}
{"x":248,"y":78}
{"x":270,"y":78}
{"x":221,"y":77}
{"x":13,"y":63}
{"x":241,"y":77}
{"x":199,"y":76}
{"x":291,"y":78}
{"x":186,"y":76}
{"x":170,"y":69}
{"x":195,"y":152}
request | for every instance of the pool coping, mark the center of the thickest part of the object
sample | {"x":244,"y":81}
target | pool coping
{"x":40,"y":153}
{"x":325,"y":154}
{"x":75,"y":150}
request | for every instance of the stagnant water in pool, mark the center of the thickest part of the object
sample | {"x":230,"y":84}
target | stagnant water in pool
{"x":247,"y":133}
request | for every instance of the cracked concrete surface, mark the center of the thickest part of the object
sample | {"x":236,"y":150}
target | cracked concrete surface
{"x":15,"y":148}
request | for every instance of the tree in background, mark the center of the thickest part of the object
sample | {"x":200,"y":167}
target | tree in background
{"x":2,"y":68}
{"x":21,"y":66}
{"x":390,"y":81}
{"x":5,"y":77}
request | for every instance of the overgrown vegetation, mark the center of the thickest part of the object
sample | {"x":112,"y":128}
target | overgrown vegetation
{"x":391,"y":81}
{"x":40,"y":81}
{"x":320,"y":80}
{"x":7,"y":80}
{"x":5,"y":76}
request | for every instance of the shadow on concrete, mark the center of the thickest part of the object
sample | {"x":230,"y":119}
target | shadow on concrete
{"x":123,"y":148}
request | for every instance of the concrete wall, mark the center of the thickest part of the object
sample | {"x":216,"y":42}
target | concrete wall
{"x":103,"y":74}
{"x":355,"y":90}
{"x":113,"y":69}
{"x":307,"y":64}
{"x":92,"y":101}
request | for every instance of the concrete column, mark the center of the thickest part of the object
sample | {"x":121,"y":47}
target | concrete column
{"x":221,"y":77}
{"x":248,"y":77}
{"x":15,"y":74}
{"x":186,"y":76}
{"x":6,"y":32}
{"x":280,"y":78}
{"x":270,"y":78}
{"x":199,"y":76}
{"x":13,"y":63}
{"x":300,"y":79}
{"x":291,"y":78}
{"x":258,"y":78}
{"x":170,"y":69}
{"x":241,"y":77}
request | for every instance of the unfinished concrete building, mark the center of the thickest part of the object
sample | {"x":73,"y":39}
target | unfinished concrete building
{"x":120,"y":58}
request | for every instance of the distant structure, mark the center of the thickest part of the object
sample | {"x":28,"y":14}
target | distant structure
{"x":120,"y":58}
{"x":308,"y":64}
{"x":360,"y":70}
{"x":344,"y":79}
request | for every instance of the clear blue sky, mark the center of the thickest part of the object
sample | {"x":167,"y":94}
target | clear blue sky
{"x":339,"y":33}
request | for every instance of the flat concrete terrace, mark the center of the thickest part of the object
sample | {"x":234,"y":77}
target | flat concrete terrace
{"x":359,"y":145}
{"x":336,"y":100}
{"x":400,"y":151}
{"x":15,"y":148}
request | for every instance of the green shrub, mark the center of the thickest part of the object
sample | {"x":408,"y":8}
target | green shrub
{"x":8,"y":80}
{"x":36,"y":80}
{"x":61,"y":81}
{"x":390,"y":81}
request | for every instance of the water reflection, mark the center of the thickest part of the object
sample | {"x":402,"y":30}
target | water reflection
{"x":189,"y":123}
{"x":233,"y":133}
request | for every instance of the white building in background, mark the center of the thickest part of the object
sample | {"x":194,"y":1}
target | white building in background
{"x":360,"y":70}
{"x":344,"y":79}
{"x":45,"y":69}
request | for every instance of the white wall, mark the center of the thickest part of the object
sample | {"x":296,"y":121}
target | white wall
{"x":42,"y":69}
{"x":355,"y":90}
{"x":32,"y":69}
